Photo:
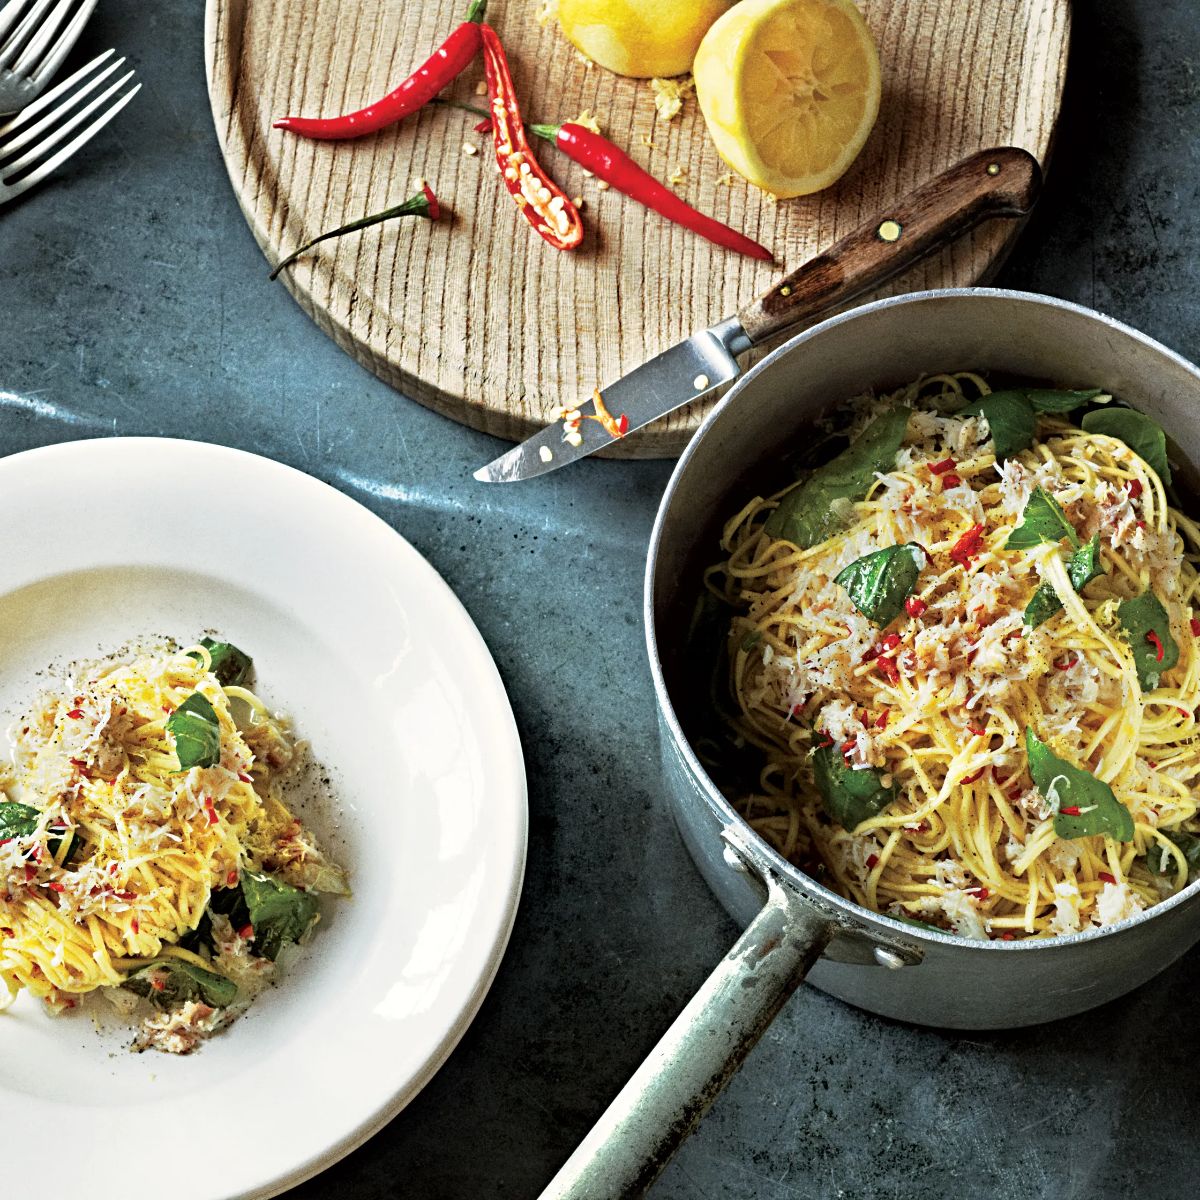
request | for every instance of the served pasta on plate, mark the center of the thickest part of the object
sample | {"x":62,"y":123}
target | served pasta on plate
{"x":964,"y":653}
{"x":145,"y":848}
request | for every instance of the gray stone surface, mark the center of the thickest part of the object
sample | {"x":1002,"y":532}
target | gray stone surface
{"x":134,"y":301}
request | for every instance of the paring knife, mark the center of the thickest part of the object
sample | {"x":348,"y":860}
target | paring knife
{"x":1003,"y":182}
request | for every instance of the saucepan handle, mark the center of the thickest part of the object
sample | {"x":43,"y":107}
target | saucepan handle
{"x":669,"y":1093}
{"x":1003,"y":182}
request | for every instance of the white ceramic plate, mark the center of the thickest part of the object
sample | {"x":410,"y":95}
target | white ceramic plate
{"x":382,"y":670}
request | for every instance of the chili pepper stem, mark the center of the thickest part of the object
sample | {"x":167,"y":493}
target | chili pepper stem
{"x":423,"y":204}
{"x":477,"y":12}
{"x":468,"y":108}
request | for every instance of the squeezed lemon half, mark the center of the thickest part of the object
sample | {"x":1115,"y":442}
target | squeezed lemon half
{"x":790,"y":91}
{"x":643,"y":38}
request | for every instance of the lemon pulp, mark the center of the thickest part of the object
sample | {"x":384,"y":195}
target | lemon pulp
{"x":790,"y":91}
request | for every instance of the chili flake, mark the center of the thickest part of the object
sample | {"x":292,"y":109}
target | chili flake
{"x":915,"y":606}
{"x":940,"y":468}
{"x":950,"y":481}
{"x":614,"y":427}
{"x":872,"y":861}
{"x":1156,"y":642}
{"x":1069,"y":810}
{"x":1105,"y":877}
{"x":967,"y":546}
{"x":1135,"y":488}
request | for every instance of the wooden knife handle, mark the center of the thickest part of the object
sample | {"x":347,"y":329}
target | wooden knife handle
{"x":1003,"y":182}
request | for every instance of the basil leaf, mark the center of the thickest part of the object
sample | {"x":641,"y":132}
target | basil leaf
{"x":181,"y":981}
{"x":1044,"y":604}
{"x":880,"y":582}
{"x":279,"y":913}
{"x":1042,"y":521}
{"x":1010,"y":418}
{"x":851,"y":797}
{"x":1067,"y":786}
{"x":230,"y":665}
{"x":1085,"y":564}
{"x":806,"y":515}
{"x":918,"y":924}
{"x":1160,"y":861}
{"x":1083,"y":567}
{"x":1139,"y":618}
{"x":1052,"y":400}
{"x":1142,"y":435}
{"x":197,"y":733}
{"x":17,"y":820}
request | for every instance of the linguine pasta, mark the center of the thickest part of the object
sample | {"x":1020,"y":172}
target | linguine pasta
{"x":940,"y":702}
{"x":128,"y":851}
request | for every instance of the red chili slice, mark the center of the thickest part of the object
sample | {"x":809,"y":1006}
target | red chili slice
{"x":891,"y":672}
{"x":1135,"y":488}
{"x":1069,"y":810}
{"x":980,"y":893}
{"x":1195,"y":627}
{"x":940,"y":468}
{"x":967,"y":546}
{"x":545,"y":205}
{"x":915,"y":606}
{"x":973,"y":776}
{"x":872,"y":861}
{"x":950,"y":481}
{"x":1105,"y":877}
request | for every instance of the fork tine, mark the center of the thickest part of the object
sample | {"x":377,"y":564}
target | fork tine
{"x":62,"y":131}
{"x":36,"y":47}
{"x":37,"y":176}
{"x":42,"y":103}
{"x":66,"y":41}
{"x":8,"y":16}
{"x":12,"y":47}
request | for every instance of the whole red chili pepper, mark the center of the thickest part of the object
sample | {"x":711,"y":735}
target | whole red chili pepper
{"x":423,"y":204}
{"x":542,"y":201}
{"x":610,"y":163}
{"x":445,"y":65}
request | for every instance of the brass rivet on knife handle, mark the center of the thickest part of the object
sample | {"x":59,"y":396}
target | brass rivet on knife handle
{"x":1002,"y":182}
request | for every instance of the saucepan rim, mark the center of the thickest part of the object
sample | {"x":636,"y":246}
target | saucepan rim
{"x":766,"y":855}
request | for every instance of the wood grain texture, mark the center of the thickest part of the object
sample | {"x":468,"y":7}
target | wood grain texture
{"x":478,"y":318}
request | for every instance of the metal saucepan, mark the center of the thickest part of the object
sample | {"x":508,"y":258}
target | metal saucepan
{"x":796,"y":927}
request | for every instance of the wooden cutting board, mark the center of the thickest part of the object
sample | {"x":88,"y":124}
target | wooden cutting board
{"x":476,"y":316}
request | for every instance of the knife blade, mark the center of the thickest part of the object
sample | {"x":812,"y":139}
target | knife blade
{"x":1001,"y":182}
{"x":694,"y":368}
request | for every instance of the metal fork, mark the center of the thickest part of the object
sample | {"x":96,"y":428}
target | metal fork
{"x":33,"y":43}
{"x":27,"y":140}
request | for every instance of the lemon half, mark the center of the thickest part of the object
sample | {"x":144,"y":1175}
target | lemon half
{"x":790,"y":91}
{"x":642,"y":38}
